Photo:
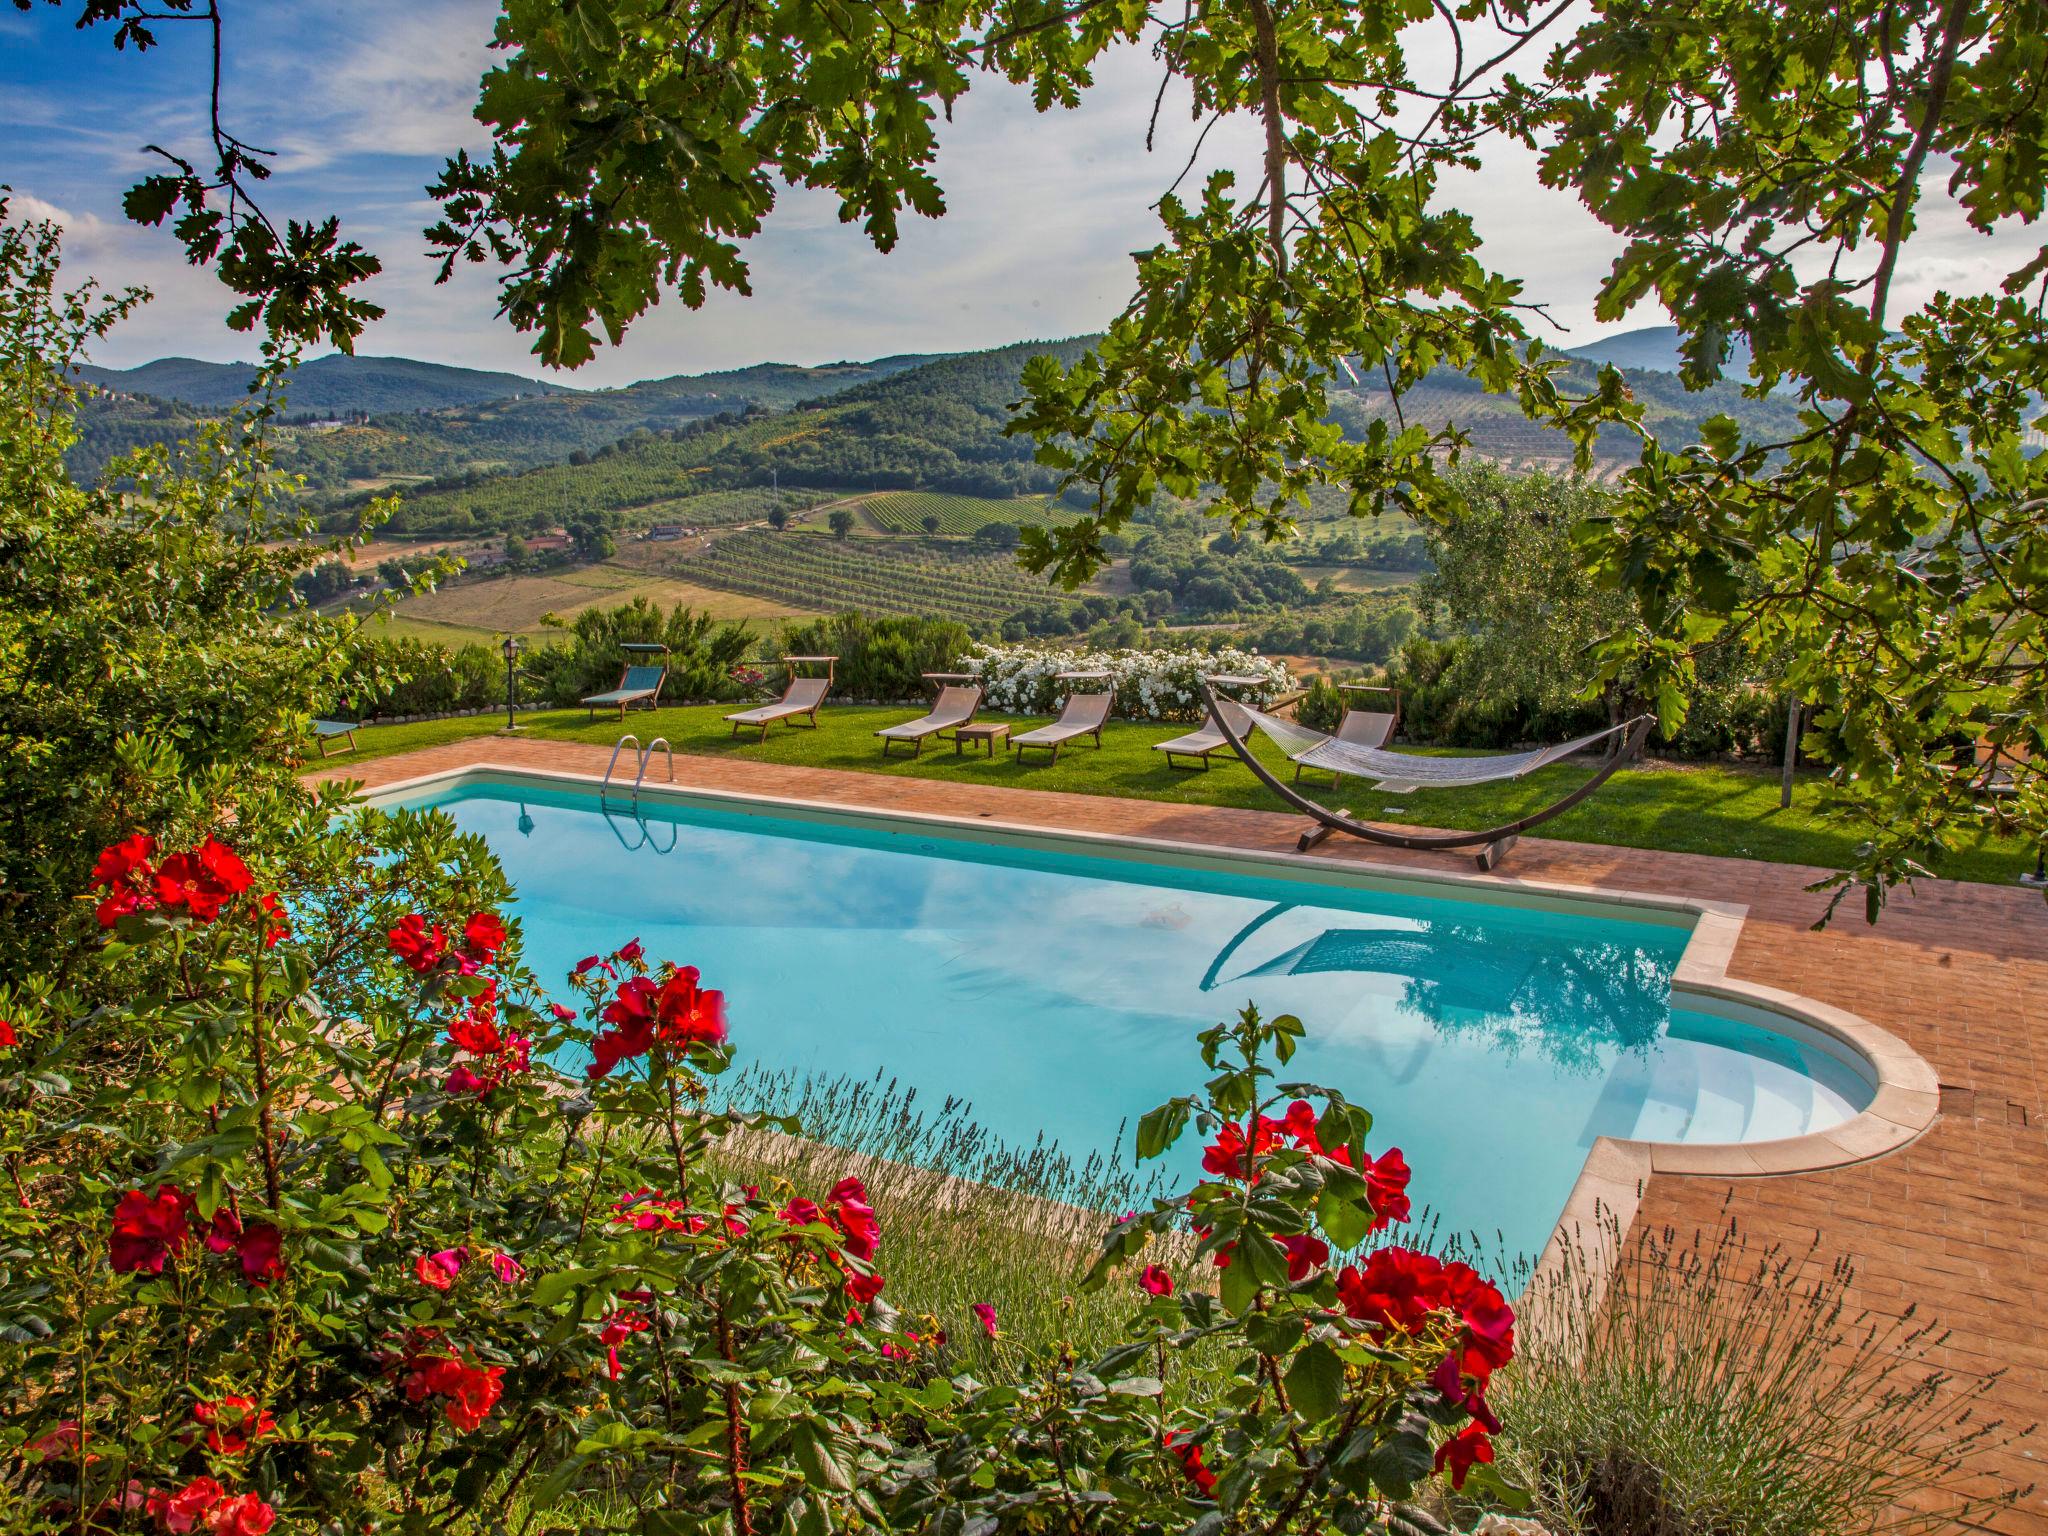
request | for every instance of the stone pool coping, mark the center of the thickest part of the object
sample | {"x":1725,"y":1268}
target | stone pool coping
{"x":1601,"y":1208}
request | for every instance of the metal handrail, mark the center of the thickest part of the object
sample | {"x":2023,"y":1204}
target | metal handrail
{"x":618,"y":747}
{"x":647,"y":756}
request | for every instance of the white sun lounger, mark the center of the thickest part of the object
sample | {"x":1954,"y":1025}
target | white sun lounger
{"x":1203,"y":744}
{"x":955,"y":708}
{"x":802,"y":697}
{"x":1082,"y":715}
{"x":1362,"y":728}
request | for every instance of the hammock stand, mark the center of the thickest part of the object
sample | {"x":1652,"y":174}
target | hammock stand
{"x":1627,"y":740}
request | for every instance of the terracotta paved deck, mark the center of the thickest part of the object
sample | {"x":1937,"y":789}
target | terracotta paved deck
{"x":1957,"y":1222}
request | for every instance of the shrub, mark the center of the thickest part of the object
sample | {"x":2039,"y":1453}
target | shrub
{"x":307,"y":1233}
{"x":154,"y":611}
{"x":1714,"y":1387}
{"x":1322,"y":707}
{"x":702,"y":653}
{"x":882,"y":659}
{"x":1149,"y":685}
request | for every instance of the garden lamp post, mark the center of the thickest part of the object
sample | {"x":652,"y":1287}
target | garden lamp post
{"x":511,"y":650}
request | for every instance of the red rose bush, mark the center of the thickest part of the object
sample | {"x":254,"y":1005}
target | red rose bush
{"x":333,"y":1221}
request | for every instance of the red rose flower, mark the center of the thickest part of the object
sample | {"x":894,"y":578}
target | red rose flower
{"x":463,"y":1081}
{"x":270,"y":918}
{"x":801,"y":1213}
{"x":1305,"y":1255}
{"x":126,"y":862}
{"x":985,"y":1315}
{"x":508,"y":1269}
{"x":419,"y":944}
{"x":468,"y":1392}
{"x":440,"y":1269}
{"x":483,"y":935}
{"x":258,"y":1248}
{"x":148,"y":1229}
{"x":688,"y":1015}
{"x":631,"y":1015}
{"x":863,"y":1288}
{"x":243,"y":1515}
{"x":182,"y":1511}
{"x":855,"y":1218}
{"x":618,"y":1327}
{"x":8,"y":1038}
{"x":118,"y":905}
{"x":1155,"y":1281}
{"x":1397,"y":1289}
{"x":562,"y":1015}
{"x":1386,"y":1186}
{"x":232,"y":1422}
{"x":124,"y":871}
{"x":203,"y":881}
{"x":1189,"y":1455}
{"x":630,"y":951}
{"x":1468,"y":1446}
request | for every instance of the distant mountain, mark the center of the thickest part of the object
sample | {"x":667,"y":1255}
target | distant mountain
{"x":464,"y":424}
{"x":335,"y":382}
{"x":776,"y":386}
{"x":909,"y":422}
{"x":1655,"y":348}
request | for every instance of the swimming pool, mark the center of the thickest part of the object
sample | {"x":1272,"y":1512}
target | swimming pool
{"x":1058,"y":987}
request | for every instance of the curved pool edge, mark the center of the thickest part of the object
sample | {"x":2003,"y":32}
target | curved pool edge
{"x":1600,"y":1209}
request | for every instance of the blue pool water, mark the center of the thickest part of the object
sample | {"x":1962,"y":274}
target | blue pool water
{"x":1060,"y":992}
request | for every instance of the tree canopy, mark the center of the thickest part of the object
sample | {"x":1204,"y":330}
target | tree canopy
{"x":1767,"y":162}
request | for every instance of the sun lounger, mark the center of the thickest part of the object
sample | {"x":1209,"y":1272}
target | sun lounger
{"x":336,"y":730}
{"x":1361,"y":728}
{"x":1082,"y":715}
{"x":1209,"y":740}
{"x":955,"y":708}
{"x":639,"y":683}
{"x":801,"y":698}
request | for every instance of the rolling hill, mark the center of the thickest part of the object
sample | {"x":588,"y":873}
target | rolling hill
{"x":479,"y":424}
{"x":334,"y":383}
{"x":929,"y":423}
{"x":1653,"y":349}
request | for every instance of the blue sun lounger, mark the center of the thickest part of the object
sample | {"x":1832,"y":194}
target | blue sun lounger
{"x":639,"y":682}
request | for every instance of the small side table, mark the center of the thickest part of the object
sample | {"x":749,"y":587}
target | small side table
{"x":988,"y":732}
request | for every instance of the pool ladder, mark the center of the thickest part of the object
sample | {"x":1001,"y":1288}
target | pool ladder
{"x":642,"y":757}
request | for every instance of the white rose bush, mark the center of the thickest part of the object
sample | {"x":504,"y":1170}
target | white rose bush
{"x":1149,"y":685}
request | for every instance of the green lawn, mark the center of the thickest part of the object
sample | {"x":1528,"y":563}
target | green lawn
{"x":1693,"y":809}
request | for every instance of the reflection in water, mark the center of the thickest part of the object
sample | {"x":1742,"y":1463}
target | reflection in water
{"x":1496,"y":984}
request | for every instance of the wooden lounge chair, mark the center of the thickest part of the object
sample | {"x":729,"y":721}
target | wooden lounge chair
{"x":1082,"y":715}
{"x":801,"y":698}
{"x":1209,"y":740}
{"x":955,"y":707}
{"x":337,"y":730}
{"x":639,"y":682}
{"x":1364,"y":727}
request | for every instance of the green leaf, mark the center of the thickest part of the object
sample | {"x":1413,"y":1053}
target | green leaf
{"x":1315,"y":1382}
{"x":1161,"y":1128}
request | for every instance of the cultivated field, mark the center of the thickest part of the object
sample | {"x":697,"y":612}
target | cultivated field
{"x":815,"y":571}
{"x":515,"y":604}
{"x":905,"y":512}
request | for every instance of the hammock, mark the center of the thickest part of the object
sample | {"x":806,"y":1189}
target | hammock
{"x":1395,"y":771}
{"x":1398,"y":771}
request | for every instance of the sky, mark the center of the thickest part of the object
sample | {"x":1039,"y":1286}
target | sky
{"x":364,"y":100}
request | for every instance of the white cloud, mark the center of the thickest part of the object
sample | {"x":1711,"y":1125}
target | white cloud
{"x":362,"y":100}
